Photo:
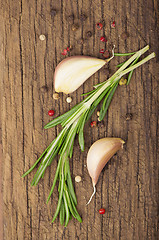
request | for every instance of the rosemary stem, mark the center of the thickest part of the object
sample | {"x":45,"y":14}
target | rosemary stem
{"x":131,"y":73}
{"x":128,"y":62}
{"x":152,"y":55}
{"x":101,"y":89}
{"x":76,"y":116}
{"x":119,"y":74}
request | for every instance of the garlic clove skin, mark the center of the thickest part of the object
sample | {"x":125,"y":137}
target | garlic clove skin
{"x":73,"y":71}
{"x":100,"y":153}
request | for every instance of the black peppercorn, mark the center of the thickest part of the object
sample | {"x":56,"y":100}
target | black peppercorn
{"x":124,"y":35}
{"x":128,"y":116}
{"x":53,"y":12}
{"x":44,"y":89}
{"x":89,"y":34}
{"x":83,"y":17}
{"x":70,"y":19}
{"x":74,"y":27}
{"x":101,"y":124}
{"x":80,"y":41}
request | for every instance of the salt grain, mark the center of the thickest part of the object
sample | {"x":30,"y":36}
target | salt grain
{"x":42,"y":37}
{"x":69,"y":99}
{"x":55,"y":96}
{"x":78,"y":179}
{"x":74,"y":27}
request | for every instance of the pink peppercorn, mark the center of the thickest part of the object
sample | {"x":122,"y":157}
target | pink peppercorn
{"x":102,"y":39}
{"x":106,"y":54}
{"x":64,"y":52}
{"x":102,"y":211}
{"x":99,"y":26}
{"x":51,"y":113}
{"x":113,"y":24}
{"x":101,"y":51}
{"x":93,"y":124}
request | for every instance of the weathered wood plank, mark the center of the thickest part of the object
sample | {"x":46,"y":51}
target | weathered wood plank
{"x":127,"y":187}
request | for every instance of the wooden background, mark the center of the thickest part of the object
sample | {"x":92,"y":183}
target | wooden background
{"x":128,"y":186}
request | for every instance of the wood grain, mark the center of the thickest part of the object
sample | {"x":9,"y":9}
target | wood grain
{"x":128,"y":186}
{"x":1,"y":197}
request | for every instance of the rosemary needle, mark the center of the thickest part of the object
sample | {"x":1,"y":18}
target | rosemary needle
{"x":124,"y":54}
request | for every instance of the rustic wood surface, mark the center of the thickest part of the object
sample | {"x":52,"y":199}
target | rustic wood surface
{"x":128,"y":186}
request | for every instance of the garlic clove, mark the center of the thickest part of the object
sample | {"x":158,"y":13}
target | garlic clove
{"x":100,"y":153}
{"x":73,"y":71}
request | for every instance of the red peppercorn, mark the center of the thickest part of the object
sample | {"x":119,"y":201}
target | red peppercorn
{"x":93,"y":124}
{"x":106,"y":54}
{"x":64,"y":52}
{"x":102,"y":211}
{"x":51,"y":113}
{"x":99,"y":26}
{"x":101,"y":51}
{"x":113,"y":25}
{"x":102,"y":39}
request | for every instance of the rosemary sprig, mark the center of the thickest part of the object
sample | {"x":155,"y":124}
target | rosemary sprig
{"x":73,"y":123}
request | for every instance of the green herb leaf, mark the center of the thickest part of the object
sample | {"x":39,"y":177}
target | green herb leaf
{"x":62,"y":213}
{"x":81,"y":135}
{"x":67,"y":210}
{"x":131,"y":73}
{"x":55,"y":178}
{"x":59,"y":201}
{"x":107,"y":102}
{"x":70,"y":184}
{"x":120,"y":64}
{"x":124,"y":54}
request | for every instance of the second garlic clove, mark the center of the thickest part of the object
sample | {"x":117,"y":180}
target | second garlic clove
{"x":100,"y":153}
